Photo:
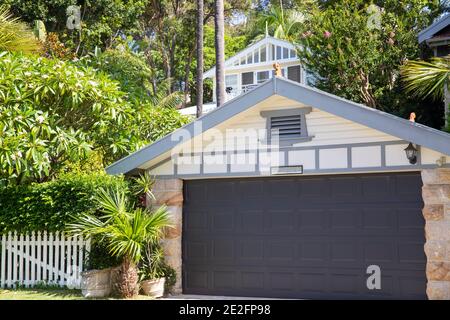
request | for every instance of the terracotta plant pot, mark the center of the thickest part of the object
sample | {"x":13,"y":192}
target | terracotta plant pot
{"x":96,"y":283}
{"x":153,"y":288}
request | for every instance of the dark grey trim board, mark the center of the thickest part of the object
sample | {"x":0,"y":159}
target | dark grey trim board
{"x":257,"y":171}
{"x":309,"y":172}
{"x":378,"y":120}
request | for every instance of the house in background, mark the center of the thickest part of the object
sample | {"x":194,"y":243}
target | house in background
{"x":253,"y":66}
{"x":437,"y":37}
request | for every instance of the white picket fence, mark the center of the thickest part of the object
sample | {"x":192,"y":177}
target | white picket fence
{"x":36,"y":258}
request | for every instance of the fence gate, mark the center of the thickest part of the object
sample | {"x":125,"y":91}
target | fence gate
{"x":50,"y":258}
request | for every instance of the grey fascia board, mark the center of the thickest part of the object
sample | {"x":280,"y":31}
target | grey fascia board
{"x":378,"y":120}
{"x":372,"y":118}
{"x":209,"y":120}
{"x":434,"y":28}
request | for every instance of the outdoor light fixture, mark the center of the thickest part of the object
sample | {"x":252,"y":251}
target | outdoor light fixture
{"x":411,"y":153}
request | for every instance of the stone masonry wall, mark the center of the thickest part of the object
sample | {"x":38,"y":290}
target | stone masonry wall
{"x":436,"y":196}
{"x":170,"y":193}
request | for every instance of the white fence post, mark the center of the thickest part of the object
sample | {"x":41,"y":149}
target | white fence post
{"x":3,"y":262}
{"x":33,"y":258}
{"x":28,"y":259}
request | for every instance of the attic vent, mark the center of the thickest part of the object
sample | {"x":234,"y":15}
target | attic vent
{"x":286,"y":127}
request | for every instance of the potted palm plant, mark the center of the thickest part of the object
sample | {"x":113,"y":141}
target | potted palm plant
{"x":152,"y":271}
{"x":125,"y":231}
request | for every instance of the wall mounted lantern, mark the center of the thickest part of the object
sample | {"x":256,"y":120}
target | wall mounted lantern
{"x":411,"y":153}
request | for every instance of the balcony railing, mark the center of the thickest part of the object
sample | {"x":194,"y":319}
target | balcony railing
{"x":233,"y":92}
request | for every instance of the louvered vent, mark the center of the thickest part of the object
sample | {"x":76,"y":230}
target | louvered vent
{"x":286,"y":127}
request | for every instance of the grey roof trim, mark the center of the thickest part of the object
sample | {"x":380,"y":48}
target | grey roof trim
{"x":434,"y":28}
{"x":372,"y":118}
{"x":378,"y":120}
{"x":209,"y":120}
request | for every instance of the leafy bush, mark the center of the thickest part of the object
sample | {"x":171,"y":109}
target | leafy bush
{"x":50,"y":205}
{"x":53,"y":113}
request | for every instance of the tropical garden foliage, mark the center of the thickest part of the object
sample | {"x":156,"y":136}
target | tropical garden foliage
{"x":76,"y":97}
{"x":125,"y":230}
{"x":356,"y":52}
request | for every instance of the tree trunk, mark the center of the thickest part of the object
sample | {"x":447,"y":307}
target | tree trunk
{"x":366,"y":90}
{"x":199,"y":80}
{"x":220,"y":53}
{"x":125,"y":279}
{"x":187,"y":71}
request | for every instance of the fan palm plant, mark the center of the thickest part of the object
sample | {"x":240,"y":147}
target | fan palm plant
{"x":15,"y":35}
{"x":284,"y":23}
{"x":423,"y":79}
{"x":126,"y":232}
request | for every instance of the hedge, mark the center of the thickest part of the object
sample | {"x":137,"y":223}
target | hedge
{"x":51,"y":205}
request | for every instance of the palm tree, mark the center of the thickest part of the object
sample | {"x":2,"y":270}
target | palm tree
{"x":284,"y":23}
{"x":200,"y":17}
{"x":125,"y":231}
{"x":15,"y":35}
{"x":425,"y":79}
{"x":220,"y":52}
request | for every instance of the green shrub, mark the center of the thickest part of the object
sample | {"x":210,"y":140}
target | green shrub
{"x":51,"y":205}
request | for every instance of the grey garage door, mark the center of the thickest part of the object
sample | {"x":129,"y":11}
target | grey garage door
{"x":305,"y":237}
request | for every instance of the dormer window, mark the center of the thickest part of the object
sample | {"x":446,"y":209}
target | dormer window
{"x":287,"y":127}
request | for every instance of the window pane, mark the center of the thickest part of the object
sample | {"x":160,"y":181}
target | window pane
{"x":256,"y":57}
{"x":249,"y":58}
{"x":293,"y":55}
{"x":262,"y":76}
{"x":294,"y":73}
{"x":285,"y":53}
{"x":278,"y":52}
{"x":231,"y":80}
{"x":243,"y":60}
{"x":263,"y":54}
{"x":273,"y":56}
{"x":247,"y":78}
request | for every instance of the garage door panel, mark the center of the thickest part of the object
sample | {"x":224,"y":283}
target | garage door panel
{"x":304,"y":237}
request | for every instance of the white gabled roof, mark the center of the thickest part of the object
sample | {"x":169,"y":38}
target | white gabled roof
{"x":372,"y":118}
{"x":243,"y":53}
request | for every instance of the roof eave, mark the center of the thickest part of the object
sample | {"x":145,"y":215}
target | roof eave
{"x":375,"y":119}
{"x":432,"y":29}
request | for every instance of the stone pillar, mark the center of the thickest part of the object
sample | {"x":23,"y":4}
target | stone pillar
{"x":436,"y":196}
{"x":170,"y":193}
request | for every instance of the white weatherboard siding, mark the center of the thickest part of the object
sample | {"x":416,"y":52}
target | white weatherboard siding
{"x":333,"y":158}
{"x":364,"y":157}
{"x":307,"y":158}
{"x":339,"y":144}
{"x":430,"y":156}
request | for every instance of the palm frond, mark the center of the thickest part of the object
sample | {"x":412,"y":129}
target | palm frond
{"x":113,"y":202}
{"x":15,"y":35}
{"x":126,"y":232}
{"x":423,"y":79}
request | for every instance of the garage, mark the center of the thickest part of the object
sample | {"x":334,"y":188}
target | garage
{"x":291,"y":192}
{"x":305,"y":237}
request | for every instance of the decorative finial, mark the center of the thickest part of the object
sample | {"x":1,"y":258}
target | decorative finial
{"x":277,"y":68}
